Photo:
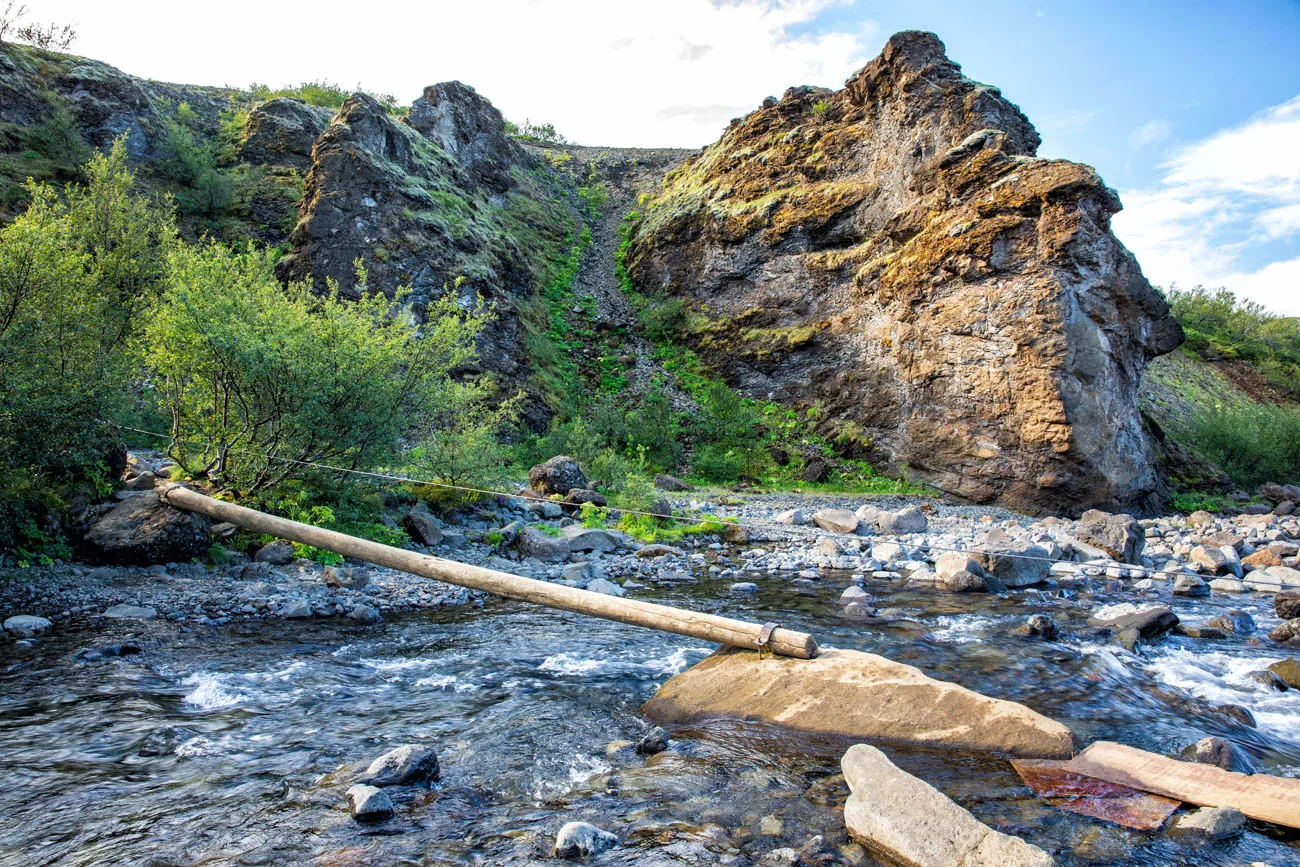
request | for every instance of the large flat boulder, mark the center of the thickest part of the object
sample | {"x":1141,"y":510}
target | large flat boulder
{"x":142,"y":530}
{"x":859,"y":695}
{"x":907,"y":821}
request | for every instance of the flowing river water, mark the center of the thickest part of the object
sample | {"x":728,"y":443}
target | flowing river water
{"x":223,"y":745}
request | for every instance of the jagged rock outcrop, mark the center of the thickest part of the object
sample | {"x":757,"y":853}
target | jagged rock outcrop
{"x":282,"y":131}
{"x":104,"y":101}
{"x":434,"y":205}
{"x":895,"y":254}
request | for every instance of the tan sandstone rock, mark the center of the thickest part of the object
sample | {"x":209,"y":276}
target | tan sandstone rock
{"x":859,"y":695}
{"x":908,"y":821}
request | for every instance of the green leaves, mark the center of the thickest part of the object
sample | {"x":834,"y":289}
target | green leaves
{"x":262,"y":380}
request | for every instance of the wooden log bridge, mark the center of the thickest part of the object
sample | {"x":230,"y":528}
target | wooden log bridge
{"x":706,"y":627}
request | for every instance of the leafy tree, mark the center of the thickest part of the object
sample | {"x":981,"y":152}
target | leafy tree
{"x":76,"y":276}
{"x":262,"y":380}
{"x":461,"y":441}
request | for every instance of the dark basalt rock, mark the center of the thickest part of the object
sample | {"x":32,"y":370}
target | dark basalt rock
{"x":142,"y":531}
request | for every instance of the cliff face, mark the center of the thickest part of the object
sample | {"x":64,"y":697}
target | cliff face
{"x":895,"y":254}
{"x":440,"y":202}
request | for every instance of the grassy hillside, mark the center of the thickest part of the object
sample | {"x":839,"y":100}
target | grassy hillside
{"x":1229,"y":399}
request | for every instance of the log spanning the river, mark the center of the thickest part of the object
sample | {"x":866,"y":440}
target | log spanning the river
{"x":707,"y":627}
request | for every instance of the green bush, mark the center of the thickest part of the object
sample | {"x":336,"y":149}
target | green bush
{"x":77,"y":275}
{"x":261,"y":378}
{"x":663,"y":319}
{"x":1253,"y":443}
{"x":188,"y":159}
{"x":57,"y":137}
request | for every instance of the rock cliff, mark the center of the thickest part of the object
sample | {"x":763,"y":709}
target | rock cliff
{"x":894,"y":255}
{"x":443,"y":201}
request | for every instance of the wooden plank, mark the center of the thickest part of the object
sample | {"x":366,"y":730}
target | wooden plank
{"x":707,"y":627}
{"x":1259,"y":796}
{"x":1089,"y":796}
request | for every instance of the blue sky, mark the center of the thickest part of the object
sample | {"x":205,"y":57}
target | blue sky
{"x":1191,"y":110}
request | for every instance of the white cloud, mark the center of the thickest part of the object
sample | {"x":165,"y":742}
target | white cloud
{"x":602,"y":72}
{"x":1226,"y":212}
{"x":1149,"y":133}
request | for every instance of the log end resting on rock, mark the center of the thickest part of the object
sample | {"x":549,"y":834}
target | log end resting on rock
{"x":848,"y":693}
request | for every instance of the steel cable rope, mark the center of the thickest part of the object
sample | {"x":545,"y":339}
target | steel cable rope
{"x":794,"y":529}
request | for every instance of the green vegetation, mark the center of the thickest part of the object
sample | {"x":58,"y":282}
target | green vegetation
{"x":542,"y":133}
{"x":257,"y":381}
{"x":255,"y":373}
{"x":77,"y":278}
{"x":324,"y":94}
{"x":1253,"y":444}
{"x":1229,"y":395}
{"x":1221,"y":326}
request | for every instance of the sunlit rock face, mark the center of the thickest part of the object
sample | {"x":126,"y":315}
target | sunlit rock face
{"x":895,"y":255}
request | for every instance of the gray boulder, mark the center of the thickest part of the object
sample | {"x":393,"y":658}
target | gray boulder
{"x":582,"y":840}
{"x":609,"y":588}
{"x":277,"y":553}
{"x":1221,"y":754}
{"x":1211,"y":823}
{"x":1013,"y":563}
{"x":407,"y":765}
{"x":665,"y":482}
{"x":532,"y":542}
{"x":422,"y":525}
{"x":589,"y":539}
{"x":1120,"y":536}
{"x":1191,"y":585}
{"x":557,"y":476}
{"x":906,"y":520}
{"x":143,"y":531}
{"x":840,"y":521}
{"x":26,"y":626}
{"x":1149,"y":621}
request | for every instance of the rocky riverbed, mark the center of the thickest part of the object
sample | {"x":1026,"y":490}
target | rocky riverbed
{"x":271,"y":681}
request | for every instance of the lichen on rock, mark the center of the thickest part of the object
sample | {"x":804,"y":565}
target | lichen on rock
{"x":960,"y":303}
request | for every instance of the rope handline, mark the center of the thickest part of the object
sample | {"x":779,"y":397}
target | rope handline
{"x":807,"y":532}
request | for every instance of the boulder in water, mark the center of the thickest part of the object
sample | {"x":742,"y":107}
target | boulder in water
{"x":26,"y":626}
{"x":906,"y":820}
{"x":853,"y":694}
{"x":582,"y":840}
{"x":407,"y":765}
{"x":369,"y":804}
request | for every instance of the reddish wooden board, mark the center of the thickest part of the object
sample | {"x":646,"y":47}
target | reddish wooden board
{"x":1259,"y":796}
{"x":1090,"y":796}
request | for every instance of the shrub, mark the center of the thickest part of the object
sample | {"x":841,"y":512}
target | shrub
{"x":57,"y":137}
{"x":460,"y":442}
{"x":663,"y":319}
{"x":76,"y":276}
{"x":188,"y":159}
{"x":1253,"y":443}
{"x":260,"y":379}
